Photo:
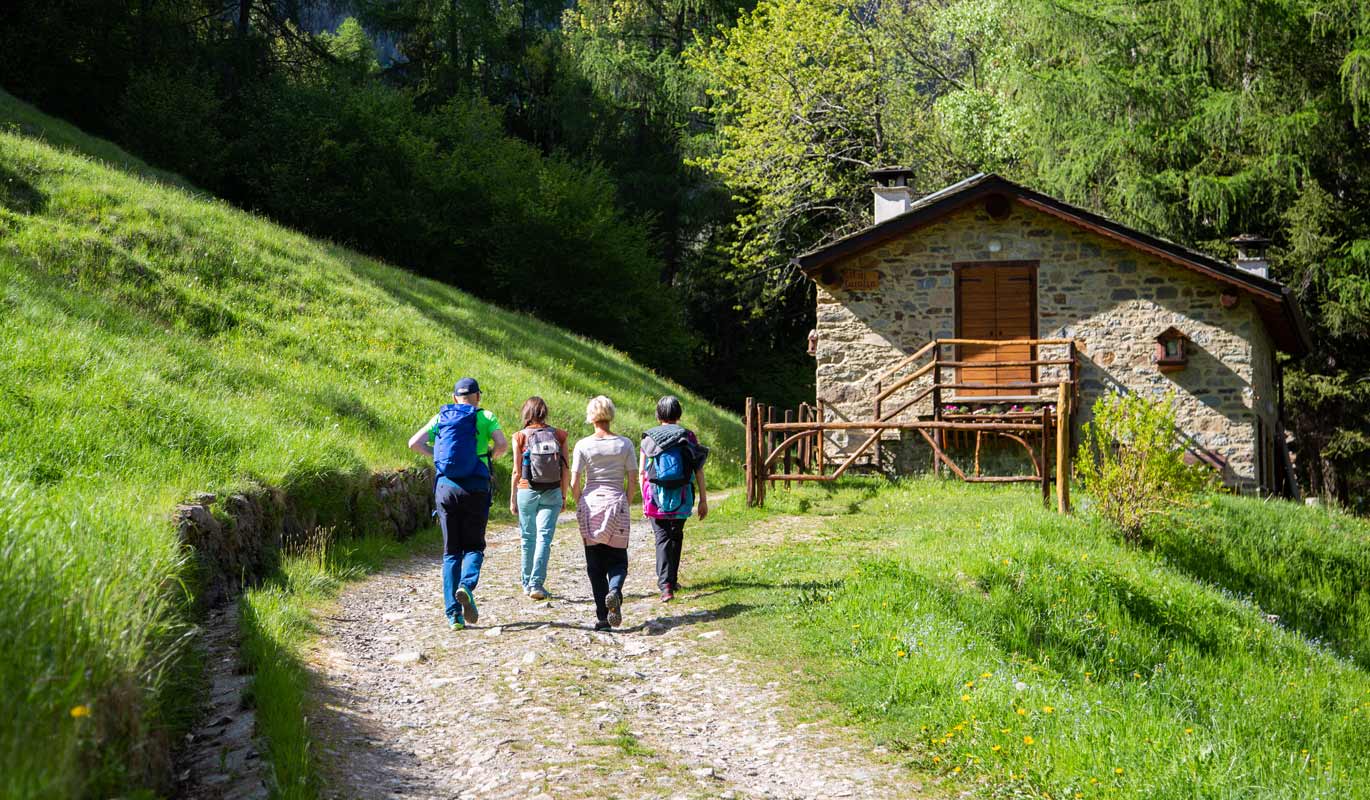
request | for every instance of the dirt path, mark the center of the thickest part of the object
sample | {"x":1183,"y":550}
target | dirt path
{"x":531,"y":703}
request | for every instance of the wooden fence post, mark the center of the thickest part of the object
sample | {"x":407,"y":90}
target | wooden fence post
{"x":1063,"y":426}
{"x":1044,"y":466}
{"x":761,"y":440}
{"x":768,"y":443}
{"x":749,"y":467}
{"x":822,"y":439}
{"x":789,"y":464}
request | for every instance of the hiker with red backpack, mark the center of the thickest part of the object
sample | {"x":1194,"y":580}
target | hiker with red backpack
{"x":463,"y":439}
{"x":671,"y":466}
{"x":538,"y":491}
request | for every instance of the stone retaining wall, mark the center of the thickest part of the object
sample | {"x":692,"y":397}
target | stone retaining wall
{"x":236,"y":540}
{"x":1113,"y":299}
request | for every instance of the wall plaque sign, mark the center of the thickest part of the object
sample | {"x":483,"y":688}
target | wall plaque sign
{"x":860,"y":280}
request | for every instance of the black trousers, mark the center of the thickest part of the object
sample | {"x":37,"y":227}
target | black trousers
{"x":607,"y":567}
{"x":463,"y":516}
{"x":670,"y":538}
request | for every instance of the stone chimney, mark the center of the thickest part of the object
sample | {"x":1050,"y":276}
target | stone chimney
{"x":893,"y":195}
{"x":1251,"y":249}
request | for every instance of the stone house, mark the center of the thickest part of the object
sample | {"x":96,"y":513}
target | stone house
{"x":988,"y":259}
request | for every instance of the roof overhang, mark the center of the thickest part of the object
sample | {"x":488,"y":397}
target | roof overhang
{"x":1276,"y":305}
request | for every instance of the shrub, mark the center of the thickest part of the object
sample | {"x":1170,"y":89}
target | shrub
{"x":1131,"y":461}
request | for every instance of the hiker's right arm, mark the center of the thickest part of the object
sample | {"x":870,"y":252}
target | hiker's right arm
{"x":419,"y":441}
{"x":514,"y":475}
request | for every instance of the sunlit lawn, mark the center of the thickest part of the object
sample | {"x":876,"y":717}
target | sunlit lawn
{"x":1011,"y":652}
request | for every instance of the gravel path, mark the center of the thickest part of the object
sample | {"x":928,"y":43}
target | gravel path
{"x":531,"y":703}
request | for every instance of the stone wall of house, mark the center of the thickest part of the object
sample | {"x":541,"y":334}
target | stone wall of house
{"x":1112,"y":299}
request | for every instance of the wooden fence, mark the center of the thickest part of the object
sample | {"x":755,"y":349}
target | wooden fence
{"x":793,"y":445}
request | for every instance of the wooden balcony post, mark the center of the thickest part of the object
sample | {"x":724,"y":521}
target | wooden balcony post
{"x":879,"y":415}
{"x":937,"y":405}
{"x":1063,"y":426}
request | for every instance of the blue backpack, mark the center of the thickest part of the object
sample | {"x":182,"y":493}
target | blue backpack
{"x":670,"y":477}
{"x":454,"y":451}
{"x":671,"y":467}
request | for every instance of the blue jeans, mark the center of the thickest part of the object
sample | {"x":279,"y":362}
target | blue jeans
{"x":538,"y":512}
{"x":460,"y":571}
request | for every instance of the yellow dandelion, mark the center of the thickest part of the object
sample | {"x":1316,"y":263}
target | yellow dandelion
{"x":901,"y":654}
{"x":1188,"y":730}
{"x":1117,"y":770}
{"x":937,"y":759}
{"x":1005,"y":730}
{"x":1022,"y":712}
{"x":987,"y":674}
{"x":1048,"y":709}
{"x":1093,"y":781}
{"x":1136,"y":674}
{"x":965,"y":698}
{"x":970,"y":684}
{"x":957,"y":770}
{"x":1028,"y":740}
{"x":84,"y":711}
{"x":995,"y":748}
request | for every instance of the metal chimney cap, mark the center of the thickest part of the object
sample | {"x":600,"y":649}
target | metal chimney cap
{"x":1250,"y":245}
{"x":891,"y":176}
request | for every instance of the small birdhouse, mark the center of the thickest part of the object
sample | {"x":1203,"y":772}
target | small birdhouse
{"x":1172,"y":352}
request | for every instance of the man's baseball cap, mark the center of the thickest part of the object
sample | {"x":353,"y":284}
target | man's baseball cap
{"x":467,"y":386}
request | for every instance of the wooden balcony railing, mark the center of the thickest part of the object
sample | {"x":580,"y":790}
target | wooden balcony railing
{"x":798,"y":439}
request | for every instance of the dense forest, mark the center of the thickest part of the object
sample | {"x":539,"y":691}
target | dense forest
{"x":643,"y":170}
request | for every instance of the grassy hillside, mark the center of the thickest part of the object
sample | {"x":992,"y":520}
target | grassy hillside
{"x":158,"y":343}
{"x":1011,"y":652}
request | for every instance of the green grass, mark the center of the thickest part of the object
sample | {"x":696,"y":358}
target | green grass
{"x":158,"y":343}
{"x":626,"y":741}
{"x":1011,"y":652}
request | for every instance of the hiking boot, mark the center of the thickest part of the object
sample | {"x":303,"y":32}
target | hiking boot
{"x":667,"y":594}
{"x":615,"y":603}
{"x":538,"y":593}
{"x":468,"y":605}
{"x":603,"y":625}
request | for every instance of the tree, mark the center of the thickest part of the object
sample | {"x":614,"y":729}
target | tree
{"x":1198,"y":121}
{"x":809,"y":95}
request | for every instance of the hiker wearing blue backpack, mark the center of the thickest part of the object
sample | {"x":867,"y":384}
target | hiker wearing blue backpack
{"x":463,"y":439}
{"x":539,"y":490}
{"x":672,"y":467}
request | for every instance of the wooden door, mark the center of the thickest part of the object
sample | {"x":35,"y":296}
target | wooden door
{"x":996,"y":301}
